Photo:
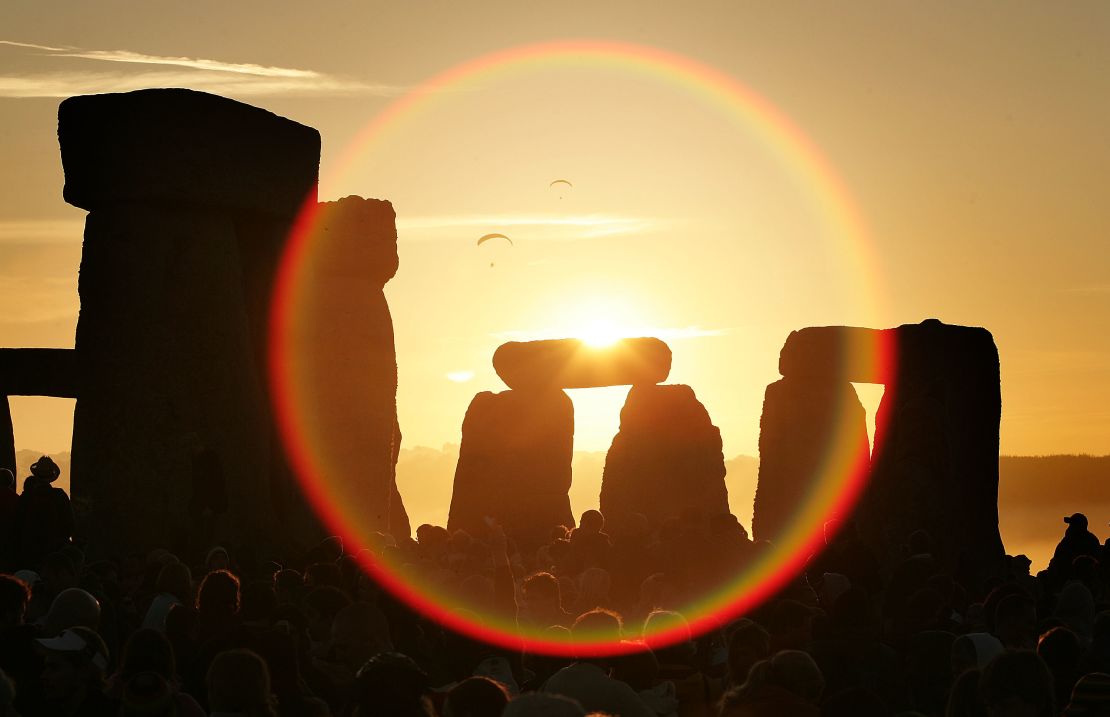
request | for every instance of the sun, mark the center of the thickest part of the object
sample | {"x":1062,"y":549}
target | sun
{"x":601,"y":332}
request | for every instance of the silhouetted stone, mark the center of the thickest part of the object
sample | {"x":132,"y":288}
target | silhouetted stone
{"x":7,"y":438}
{"x":842,"y":353}
{"x":182,"y":147}
{"x":571,"y":363}
{"x":935,"y":467}
{"x":812,"y":430}
{"x":936,"y":461}
{"x":665,"y":459}
{"x":347,"y":370}
{"x":515,"y":465}
{"x":191,"y":199}
{"x":38,"y":372}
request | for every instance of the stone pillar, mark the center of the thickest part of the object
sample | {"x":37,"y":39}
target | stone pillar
{"x":172,"y":437}
{"x":7,"y":437}
{"x":665,"y":459}
{"x":346,"y":372}
{"x":812,"y":430}
{"x":515,"y":465}
{"x":936,"y":461}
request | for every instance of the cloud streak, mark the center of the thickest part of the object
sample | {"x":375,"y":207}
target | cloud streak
{"x":587,"y":226}
{"x":135,"y":72}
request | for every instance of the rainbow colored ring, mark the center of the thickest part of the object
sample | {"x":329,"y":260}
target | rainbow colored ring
{"x":835,"y":495}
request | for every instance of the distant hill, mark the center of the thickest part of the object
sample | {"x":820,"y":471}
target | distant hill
{"x":24,"y":459}
{"x":1034,"y":492}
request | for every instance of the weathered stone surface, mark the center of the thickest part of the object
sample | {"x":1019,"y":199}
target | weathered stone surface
{"x":184,"y":147}
{"x":571,"y":363}
{"x":665,"y":459}
{"x":38,"y":372}
{"x":192,"y":197}
{"x":844,"y":353}
{"x":346,"y":368}
{"x":935,"y":464}
{"x":936,"y":461}
{"x":812,"y":431}
{"x":515,"y":465}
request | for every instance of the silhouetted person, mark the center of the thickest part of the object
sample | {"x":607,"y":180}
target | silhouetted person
{"x":73,"y":672}
{"x":239,"y":683}
{"x":44,"y":518}
{"x":147,"y":678}
{"x":19,"y":656}
{"x":1077,"y":541}
{"x":789,"y":684}
{"x":476,"y":697}
{"x":1017,"y":683}
{"x":1090,"y":697}
{"x":543,"y":606}
{"x":589,"y":543}
{"x":588,"y":679}
{"x":392,"y":685}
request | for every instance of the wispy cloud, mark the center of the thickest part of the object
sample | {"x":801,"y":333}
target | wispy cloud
{"x":532,"y":226}
{"x":230,"y":78}
{"x":39,"y":231}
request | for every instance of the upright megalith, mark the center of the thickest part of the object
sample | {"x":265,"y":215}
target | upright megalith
{"x":191,"y":197}
{"x":346,"y":362}
{"x":515,"y":465}
{"x":813,"y":433}
{"x":936,"y":446}
{"x":935,"y":462}
{"x":666,"y":459}
{"x":572,"y":363}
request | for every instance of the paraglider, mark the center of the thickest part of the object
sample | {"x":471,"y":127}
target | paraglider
{"x":487,"y":237}
{"x":561,"y":181}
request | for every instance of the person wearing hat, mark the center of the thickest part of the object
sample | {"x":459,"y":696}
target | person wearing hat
{"x":1077,"y":541}
{"x":44,"y":518}
{"x":74,"y":665}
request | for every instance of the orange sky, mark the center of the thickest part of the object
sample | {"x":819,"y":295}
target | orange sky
{"x":970,"y":135}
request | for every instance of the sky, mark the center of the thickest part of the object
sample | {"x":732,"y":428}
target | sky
{"x":968,"y":139}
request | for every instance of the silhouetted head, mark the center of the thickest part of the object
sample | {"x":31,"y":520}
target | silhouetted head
{"x":217,"y":559}
{"x":476,"y":697}
{"x":748,"y":644}
{"x":1016,"y":621}
{"x":392,"y":684}
{"x":790,"y":670}
{"x":1015,"y":683}
{"x":176,"y":579}
{"x":7,"y":480}
{"x":239,"y":681}
{"x":45,"y":469}
{"x":218,"y":596}
{"x":74,"y":663}
{"x":14,"y":597}
{"x":147,"y":693}
{"x":592,"y":521}
{"x":541,"y":704}
{"x":148,"y":650}
{"x":597,"y":624}
{"x":540,"y":589}
{"x":1090,"y":696}
{"x":639,"y":670}
{"x":1076,"y":521}
{"x":321,"y":605}
{"x":73,"y":607}
{"x":358,"y":632}
{"x":288,"y":585}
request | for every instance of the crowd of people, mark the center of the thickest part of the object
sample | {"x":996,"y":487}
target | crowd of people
{"x":856,"y":633}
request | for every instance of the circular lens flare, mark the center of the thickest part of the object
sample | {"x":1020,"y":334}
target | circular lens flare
{"x":466,"y":607}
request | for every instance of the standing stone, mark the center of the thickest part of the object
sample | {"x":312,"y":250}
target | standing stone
{"x":666,"y":458}
{"x":191,"y":197}
{"x":7,"y":437}
{"x":936,"y":461}
{"x":346,"y":372}
{"x":515,"y":465}
{"x":812,"y":431}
